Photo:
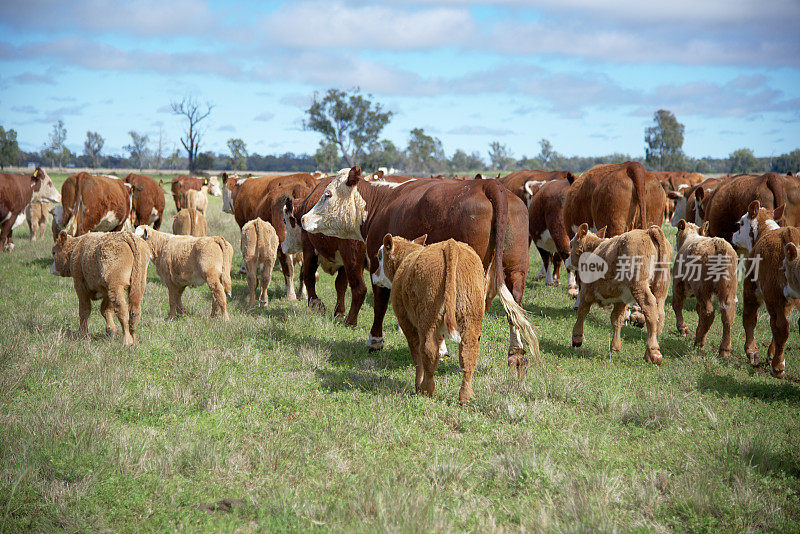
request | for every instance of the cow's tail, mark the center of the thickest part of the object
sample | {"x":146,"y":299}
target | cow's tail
{"x":72,"y":224}
{"x":450,"y":290}
{"x":638,"y":175}
{"x":227,"y":258}
{"x":775,"y":184}
{"x":663,"y":254}
{"x":141,"y":256}
{"x":514,"y":311}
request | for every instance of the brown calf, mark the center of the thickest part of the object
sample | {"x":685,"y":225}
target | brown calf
{"x":36,"y":214}
{"x":189,"y":221}
{"x":148,"y":200}
{"x":259,"y":247}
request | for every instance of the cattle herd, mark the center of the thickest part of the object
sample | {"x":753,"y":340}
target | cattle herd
{"x":439,"y":248}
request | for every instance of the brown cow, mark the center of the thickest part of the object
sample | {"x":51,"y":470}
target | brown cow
{"x":731,"y":199}
{"x":687,"y":206}
{"x":525,"y":184}
{"x":617,"y":196}
{"x":148,"y":201}
{"x":480,"y":213}
{"x":102,"y":204}
{"x":548,"y":232}
{"x":345,"y":257}
{"x":63,"y":212}
{"x":181,"y":184}
{"x":270,"y":209}
{"x":758,"y":233}
{"x":16,"y":192}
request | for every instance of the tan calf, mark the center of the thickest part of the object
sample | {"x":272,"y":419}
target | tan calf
{"x":36,"y":214}
{"x":609,"y":275}
{"x":259,"y":250}
{"x":105,"y":266}
{"x":704,"y":267}
{"x":183,"y":260}
{"x":191,"y":198}
{"x":438,"y":293}
{"x":759,"y":234}
{"x":189,"y":221}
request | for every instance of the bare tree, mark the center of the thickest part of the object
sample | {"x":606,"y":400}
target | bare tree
{"x":138,"y":149}
{"x":190,"y":108}
{"x":92,"y":147}
{"x":158,"y":156}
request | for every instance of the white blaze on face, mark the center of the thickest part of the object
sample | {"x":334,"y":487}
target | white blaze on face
{"x":743,"y":237}
{"x":680,"y":212}
{"x":339,"y":212}
{"x":58,"y":216}
{"x":47,"y":191}
{"x":292,"y":243}
{"x":379,"y":277}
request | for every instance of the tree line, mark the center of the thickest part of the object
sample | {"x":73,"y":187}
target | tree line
{"x":350,"y":124}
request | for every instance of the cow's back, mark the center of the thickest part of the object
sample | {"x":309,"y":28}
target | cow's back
{"x":729,"y":201}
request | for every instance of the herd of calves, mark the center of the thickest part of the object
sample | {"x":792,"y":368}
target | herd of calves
{"x":441,"y":290}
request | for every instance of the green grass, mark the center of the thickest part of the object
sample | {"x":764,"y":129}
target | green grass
{"x":286,"y":411}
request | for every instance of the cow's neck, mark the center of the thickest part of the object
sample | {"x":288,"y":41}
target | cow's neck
{"x":25,"y":186}
{"x":765,"y":226}
{"x":157,"y":242}
{"x":376,"y":195}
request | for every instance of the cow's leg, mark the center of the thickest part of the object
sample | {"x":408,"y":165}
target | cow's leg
{"x":413,"y":339}
{"x":340,"y":283}
{"x":84,"y":309}
{"x":728,"y":313}
{"x":117,"y":297}
{"x":705,"y":318}
{"x":749,"y":318}
{"x":266,"y":275}
{"x":287,"y":268}
{"x":557,"y":269}
{"x":220,"y":304}
{"x":517,"y":361}
{"x":310,"y":263}
{"x":468,"y":359}
{"x":584,"y":305}
{"x":617,"y":319}
{"x":572,"y":284}
{"x":252,"y":280}
{"x":33,"y":225}
{"x":298,"y":258}
{"x":174,"y":300}
{"x":649,"y":304}
{"x":107,"y":311}
{"x":381,"y":297}
{"x":542,"y":274}
{"x":779,"y":324}
{"x":429,"y":345}
{"x":354,"y":269}
{"x":678,"y":298}
{"x":135,"y":315}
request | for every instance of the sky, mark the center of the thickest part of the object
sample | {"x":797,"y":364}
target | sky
{"x":587,"y":75}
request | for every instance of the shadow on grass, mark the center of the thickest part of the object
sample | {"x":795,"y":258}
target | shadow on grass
{"x":40,"y":263}
{"x":333,"y":380}
{"x":729,"y":386}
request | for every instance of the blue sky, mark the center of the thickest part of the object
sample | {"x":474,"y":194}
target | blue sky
{"x":587,"y":75}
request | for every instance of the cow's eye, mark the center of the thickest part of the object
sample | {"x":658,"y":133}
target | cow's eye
{"x":327,"y":194}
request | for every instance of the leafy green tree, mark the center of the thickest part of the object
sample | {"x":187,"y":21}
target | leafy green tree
{"x":664,"y":142}
{"x":424,"y":153}
{"x":205,"y":161}
{"x":546,"y":154}
{"x":55,"y":150}
{"x":463,"y":162}
{"x":327,"y":157}
{"x":9,"y":148}
{"x":785,"y":162}
{"x":743,"y":161}
{"x":140,"y":154}
{"x":382,"y":153}
{"x":348,"y":120}
{"x":238,"y":157}
{"x":500,"y":156}
{"x":92,"y":147}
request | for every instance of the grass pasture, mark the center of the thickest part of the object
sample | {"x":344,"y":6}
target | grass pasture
{"x":281,"y":420}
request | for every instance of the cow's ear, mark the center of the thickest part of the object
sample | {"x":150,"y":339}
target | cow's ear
{"x":777,"y":213}
{"x":479,"y":176}
{"x":62,"y":237}
{"x":752,"y":209}
{"x":421,"y":239}
{"x":704,"y":229}
{"x":387,"y":242}
{"x":791,"y":251}
{"x":602,"y":233}
{"x":570,"y":177}
{"x":583,"y":230}
{"x":288,"y":205}
{"x":353,"y":176}
{"x":224,"y":178}
{"x":674,"y":195}
{"x":699,"y":193}
{"x":681,"y":225}
{"x":789,"y":173}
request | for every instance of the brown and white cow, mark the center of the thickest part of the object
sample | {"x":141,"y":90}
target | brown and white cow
{"x":480,"y":213}
{"x":181,"y":184}
{"x":102,"y":204}
{"x":732,"y":197}
{"x":346,"y":258}
{"x":63,"y":212}
{"x":758,"y":233}
{"x":16,"y":192}
{"x":688,"y":201}
{"x":617,"y":196}
{"x":548,"y":231}
{"x":148,"y":201}
{"x":525,"y":184}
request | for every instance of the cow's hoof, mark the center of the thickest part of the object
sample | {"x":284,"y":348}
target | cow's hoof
{"x":777,"y":373}
{"x":654,"y":357}
{"x":316,"y":305}
{"x":683,"y":331}
{"x":291,"y":297}
{"x":753,"y":357}
{"x":263,"y":303}
{"x":374,"y":343}
{"x":517,"y":364}
{"x":577,"y":341}
{"x":573,"y":292}
{"x":636,"y":318}
{"x":724,"y":353}
{"x":338,"y":316}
